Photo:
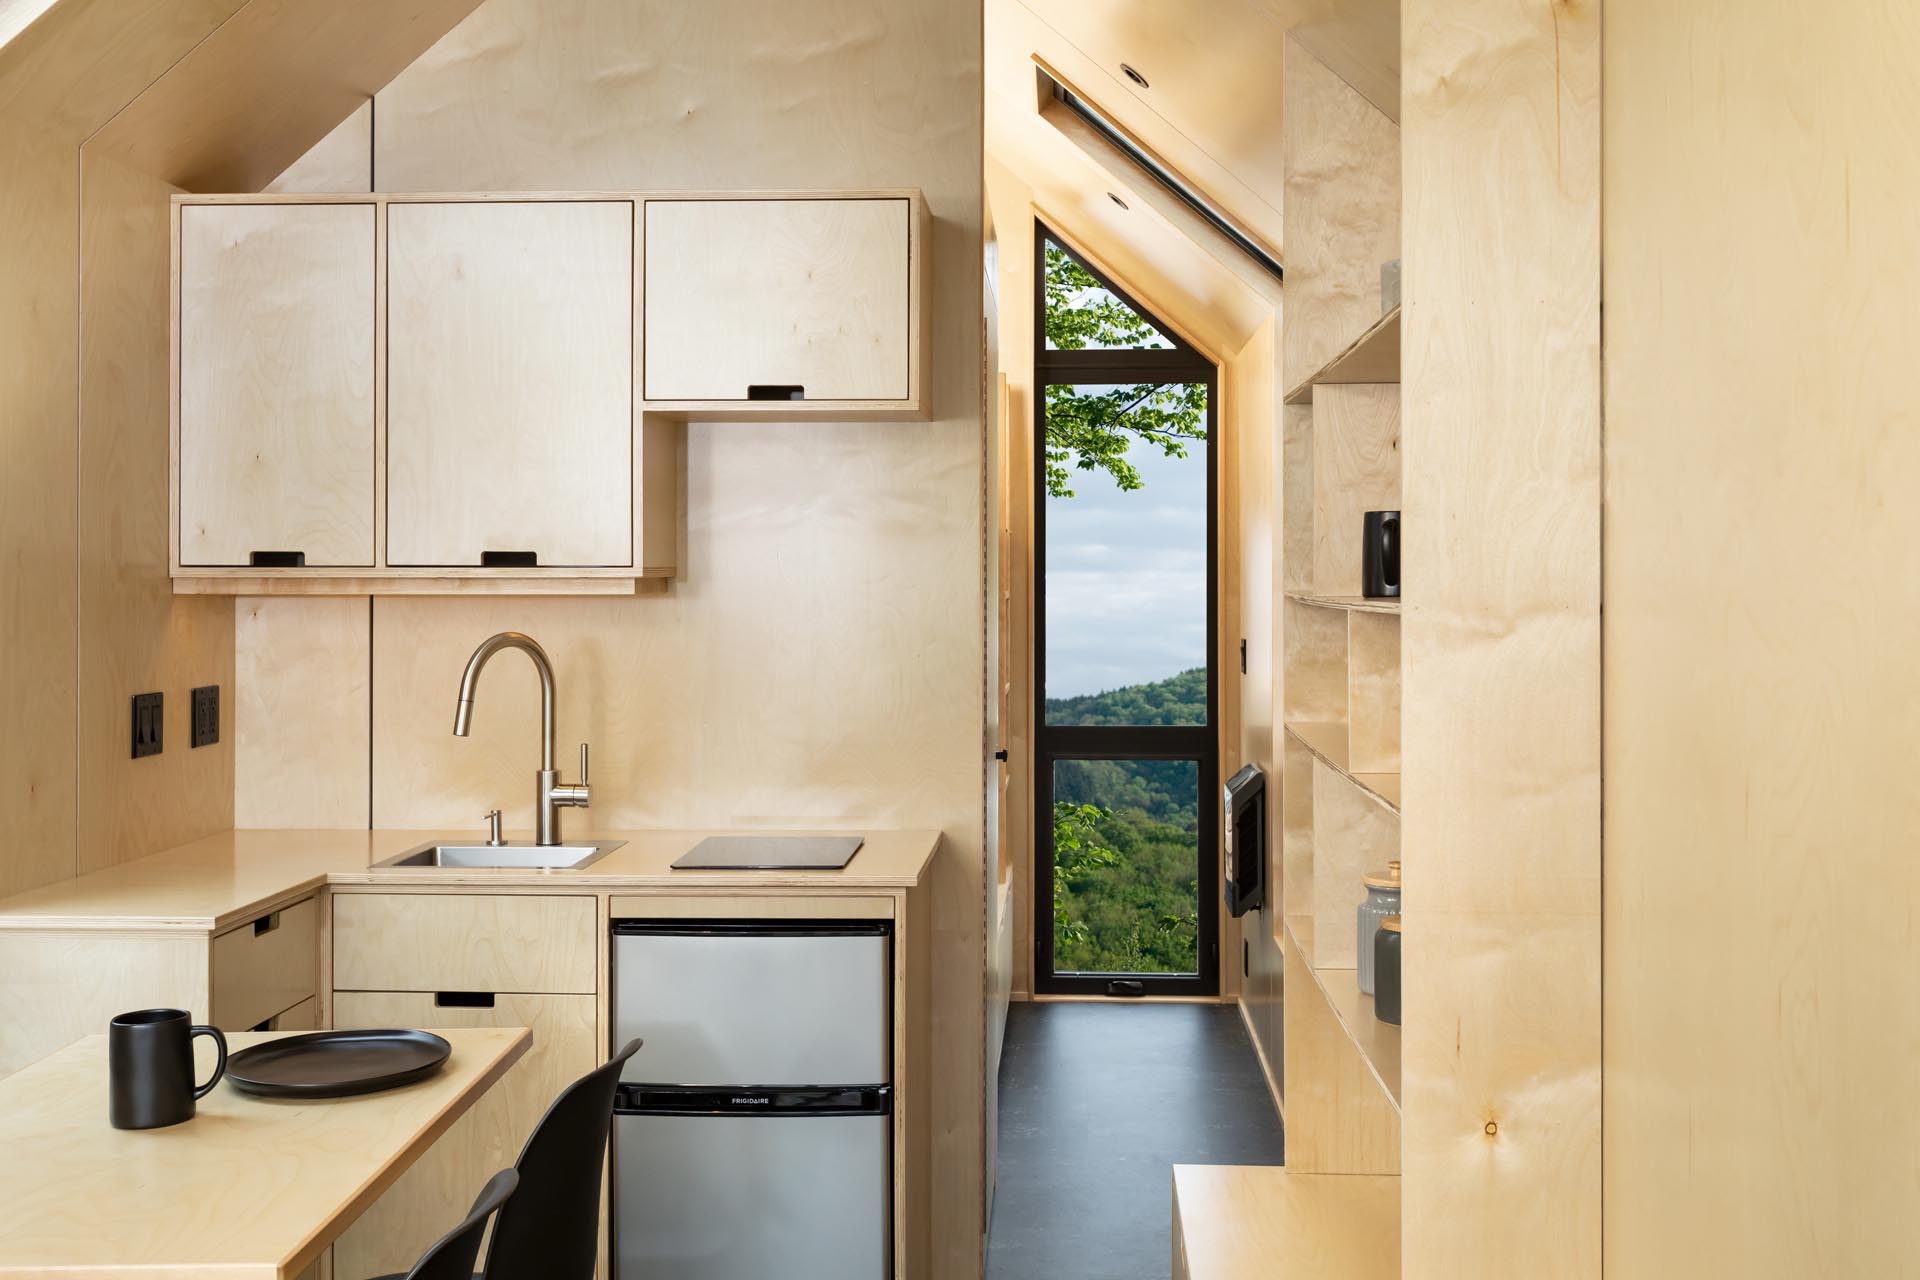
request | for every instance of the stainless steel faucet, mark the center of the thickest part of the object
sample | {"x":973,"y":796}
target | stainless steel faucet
{"x":551,"y":795}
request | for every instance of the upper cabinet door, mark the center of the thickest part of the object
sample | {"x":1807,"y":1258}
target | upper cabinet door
{"x":779,"y":299}
{"x":510,"y":383}
{"x":276,"y":408}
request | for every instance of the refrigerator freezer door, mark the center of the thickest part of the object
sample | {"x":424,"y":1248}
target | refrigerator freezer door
{"x":753,"y":1008}
{"x":751,"y":1198}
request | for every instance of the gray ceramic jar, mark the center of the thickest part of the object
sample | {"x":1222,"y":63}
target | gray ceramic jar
{"x":1383,"y":900}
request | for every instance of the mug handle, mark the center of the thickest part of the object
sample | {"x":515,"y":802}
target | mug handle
{"x":219,"y":1067}
{"x":1390,"y":549}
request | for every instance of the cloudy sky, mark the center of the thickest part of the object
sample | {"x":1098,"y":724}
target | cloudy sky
{"x":1126,"y":576}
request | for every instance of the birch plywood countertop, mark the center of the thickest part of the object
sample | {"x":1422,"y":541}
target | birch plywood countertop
{"x":236,"y":876}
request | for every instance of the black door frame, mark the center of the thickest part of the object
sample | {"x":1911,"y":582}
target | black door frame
{"x":1198,"y":743}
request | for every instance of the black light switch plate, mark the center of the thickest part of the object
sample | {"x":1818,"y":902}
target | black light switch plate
{"x":206,"y":715}
{"x":149,"y":722}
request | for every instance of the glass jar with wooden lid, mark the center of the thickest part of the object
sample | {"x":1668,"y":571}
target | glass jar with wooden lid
{"x":1382,"y":900}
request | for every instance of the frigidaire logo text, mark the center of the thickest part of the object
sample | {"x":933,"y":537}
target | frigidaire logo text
{"x":753,"y":1102}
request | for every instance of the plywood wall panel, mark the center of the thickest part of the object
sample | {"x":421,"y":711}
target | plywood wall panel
{"x":1763,"y":617}
{"x":39,"y":262}
{"x":1501,"y":639}
{"x":341,"y":161}
{"x":302,"y":711}
{"x":1342,"y":212}
{"x":1356,"y":469}
{"x":135,"y":634}
{"x":1353,"y":835}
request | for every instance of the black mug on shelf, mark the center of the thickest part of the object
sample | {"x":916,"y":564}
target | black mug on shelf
{"x":150,"y":1068}
{"x":1380,"y":556}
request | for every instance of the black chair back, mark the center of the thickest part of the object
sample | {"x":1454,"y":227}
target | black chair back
{"x":551,"y":1228}
{"x":451,"y":1256}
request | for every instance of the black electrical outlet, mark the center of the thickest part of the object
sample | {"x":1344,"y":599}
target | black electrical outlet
{"x":206,"y":715}
{"x":149,"y":719}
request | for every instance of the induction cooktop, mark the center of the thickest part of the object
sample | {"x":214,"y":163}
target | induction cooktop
{"x":770,"y":853}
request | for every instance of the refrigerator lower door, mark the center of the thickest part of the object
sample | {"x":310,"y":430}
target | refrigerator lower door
{"x":706,"y":1197}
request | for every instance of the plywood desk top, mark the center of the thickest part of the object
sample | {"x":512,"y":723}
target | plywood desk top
{"x":248,"y":1189}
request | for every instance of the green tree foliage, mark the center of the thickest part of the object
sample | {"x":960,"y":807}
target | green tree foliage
{"x":1093,"y":430}
{"x":1125,"y":842}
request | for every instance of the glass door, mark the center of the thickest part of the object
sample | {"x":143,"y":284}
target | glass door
{"x":1126,"y":757}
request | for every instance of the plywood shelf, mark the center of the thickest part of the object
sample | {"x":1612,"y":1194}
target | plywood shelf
{"x":1251,"y":1222}
{"x":1377,"y":1042}
{"x":1352,"y":604}
{"x":1328,"y":742}
{"x":1372,"y":357}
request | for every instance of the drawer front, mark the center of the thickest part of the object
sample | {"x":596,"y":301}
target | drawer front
{"x":435,"y":1192}
{"x":266,"y":966}
{"x":813,"y":294}
{"x":304,"y":1016}
{"x":463,"y":942}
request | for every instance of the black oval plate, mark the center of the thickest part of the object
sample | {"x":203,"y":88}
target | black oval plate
{"x":336,"y":1064}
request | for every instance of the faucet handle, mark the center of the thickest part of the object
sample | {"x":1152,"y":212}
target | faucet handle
{"x":583,"y":764}
{"x":493,"y":827}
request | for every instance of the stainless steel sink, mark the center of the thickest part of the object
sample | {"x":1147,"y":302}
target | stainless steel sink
{"x":515,"y":853}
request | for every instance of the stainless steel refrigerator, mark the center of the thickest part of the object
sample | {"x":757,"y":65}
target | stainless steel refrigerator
{"x":752,"y":1135}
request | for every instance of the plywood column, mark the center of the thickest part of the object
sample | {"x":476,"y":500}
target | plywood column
{"x":1501,"y":647}
{"x":1762,"y":629}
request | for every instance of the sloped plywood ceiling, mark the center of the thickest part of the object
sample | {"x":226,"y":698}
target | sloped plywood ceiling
{"x":270,"y":82}
{"x":1211,"y":102}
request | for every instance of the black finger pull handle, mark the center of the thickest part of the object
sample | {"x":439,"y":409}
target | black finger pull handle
{"x":277,"y":559}
{"x":775,"y":391}
{"x":463,"y":999}
{"x":1129,"y":987}
{"x":266,"y":924}
{"x":509,"y":559}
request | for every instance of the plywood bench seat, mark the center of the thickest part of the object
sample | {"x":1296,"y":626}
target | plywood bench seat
{"x":1261,"y":1222}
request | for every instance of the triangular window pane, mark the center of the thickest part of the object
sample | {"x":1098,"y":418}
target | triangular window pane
{"x":1084,"y":315}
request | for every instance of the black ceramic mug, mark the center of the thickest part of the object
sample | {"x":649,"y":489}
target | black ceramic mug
{"x":150,"y":1068}
{"x":1380,"y":556}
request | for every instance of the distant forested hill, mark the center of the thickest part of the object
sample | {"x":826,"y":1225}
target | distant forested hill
{"x":1125,"y":894}
{"x":1180,"y":699}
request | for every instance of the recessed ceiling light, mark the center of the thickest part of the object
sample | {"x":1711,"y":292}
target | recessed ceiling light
{"x":1134,"y":76}
{"x":1116,"y":199}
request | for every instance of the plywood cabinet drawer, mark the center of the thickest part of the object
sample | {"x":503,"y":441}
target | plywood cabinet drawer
{"x":266,"y":967}
{"x":752,"y":298}
{"x":464,"y":942}
{"x":437,"y":1190}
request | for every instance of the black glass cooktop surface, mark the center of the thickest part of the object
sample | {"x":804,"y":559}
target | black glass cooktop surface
{"x":770,"y":853}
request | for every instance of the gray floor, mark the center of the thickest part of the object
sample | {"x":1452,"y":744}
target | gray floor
{"x":1097,"y":1103}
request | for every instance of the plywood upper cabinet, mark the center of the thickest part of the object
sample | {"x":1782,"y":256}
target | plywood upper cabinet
{"x":275,"y":417}
{"x":445,"y":393}
{"x":790,"y":305}
{"x":510,"y":382}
